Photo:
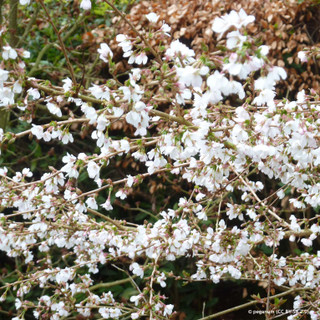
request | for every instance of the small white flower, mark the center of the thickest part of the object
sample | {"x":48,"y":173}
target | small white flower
{"x":85,"y":4}
{"x":141,"y":58}
{"x":66,"y":137}
{"x":26,"y":54}
{"x":18,"y":304}
{"x":107,"y":205}
{"x":130,"y":181}
{"x":91,"y":203}
{"x":137,"y":270}
{"x":135,"y":299}
{"x":264,"y":50}
{"x":121,"y":194}
{"x":161,"y":280}
{"x":281,"y":194}
{"x":168,"y":309}
{"x":93,"y":170}
{"x":54,"y":109}
{"x":105,"y":52}
{"x":67,"y":84}
{"x":33,"y":93}
{"x":302,"y":56}
{"x":307,"y":242}
{"x":17,"y":88}
{"x":3,"y":75}
{"x":124,"y":42}
{"x":166,"y":29}
{"x":37,"y":131}
{"x":152,"y":17}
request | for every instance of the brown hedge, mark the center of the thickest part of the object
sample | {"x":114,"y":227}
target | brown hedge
{"x":285,"y":26}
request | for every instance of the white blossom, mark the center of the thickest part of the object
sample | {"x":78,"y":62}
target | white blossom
{"x":152,"y":17}
{"x":104,"y":51}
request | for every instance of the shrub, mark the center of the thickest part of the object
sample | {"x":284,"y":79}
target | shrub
{"x":223,"y":174}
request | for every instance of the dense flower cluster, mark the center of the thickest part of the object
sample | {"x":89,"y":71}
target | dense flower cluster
{"x":219,"y":148}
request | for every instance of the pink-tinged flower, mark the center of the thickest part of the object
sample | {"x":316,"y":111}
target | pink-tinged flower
{"x":107,"y":205}
{"x":302,"y":56}
{"x":91,"y":203}
{"x":141,"y":58}
{"x":105,"y":52}
{"x":121,"y":194}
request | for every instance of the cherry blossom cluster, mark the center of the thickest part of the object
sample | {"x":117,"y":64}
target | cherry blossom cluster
{"x":213,"y":121}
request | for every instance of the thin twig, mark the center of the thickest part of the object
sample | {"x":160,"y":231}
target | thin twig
{"x":110,"y":284}
{"x":63,"y":48}
{"x":250,"y":304}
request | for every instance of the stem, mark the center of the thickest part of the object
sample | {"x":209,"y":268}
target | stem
{"x":29,"y":26}
{"x":59,"y":123}
{"x":61,"y":41}
{"x":118,"y":225}
{"x":249,"y":304}
{"x":13,"y":39}
{"x":1,"y":5}
{"x":110,"y":284}
{"x":13,"y":23}
{"x":49,"y":45}
{"x":4,"y":118}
